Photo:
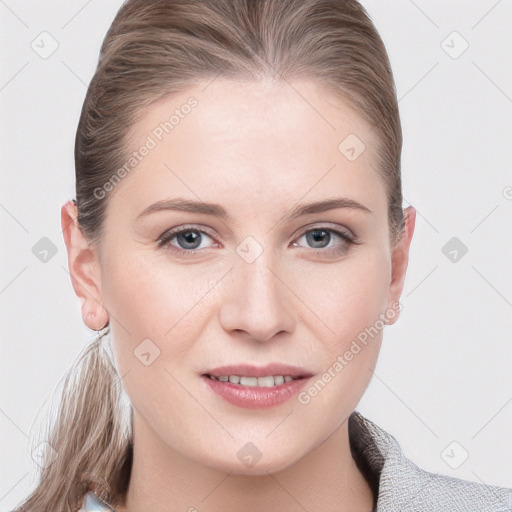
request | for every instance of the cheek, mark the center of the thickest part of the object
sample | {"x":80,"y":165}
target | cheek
{"x":349,"y":299}
{"x":147,"y":294}
{"x":352,"y":302}
{"x":155,"y":311}
{"x":150,"y":300}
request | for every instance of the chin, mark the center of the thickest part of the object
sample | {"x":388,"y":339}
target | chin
{"x":249,"y":460}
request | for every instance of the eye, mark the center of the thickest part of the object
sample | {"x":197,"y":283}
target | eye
{"x":187,"y":240}
{"x":327,"y":241}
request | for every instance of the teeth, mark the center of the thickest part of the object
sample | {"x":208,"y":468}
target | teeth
{"x":264,"y":382}
{"x":278,"y":380}
{"x":249,"y":381}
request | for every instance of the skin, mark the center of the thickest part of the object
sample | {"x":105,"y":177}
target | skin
{"x":257,"y":149}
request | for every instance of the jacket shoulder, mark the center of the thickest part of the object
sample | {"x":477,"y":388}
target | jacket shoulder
{"x":403,"y":486}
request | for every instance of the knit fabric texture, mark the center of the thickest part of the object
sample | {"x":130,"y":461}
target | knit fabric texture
{"x":402,"y":486}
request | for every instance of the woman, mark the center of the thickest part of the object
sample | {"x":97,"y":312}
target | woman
{"x":238,"y":230}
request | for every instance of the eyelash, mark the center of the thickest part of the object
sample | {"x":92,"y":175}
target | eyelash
{"x":165,"y":239}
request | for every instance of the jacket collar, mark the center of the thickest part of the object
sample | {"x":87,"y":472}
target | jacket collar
{"x":399,"y":484}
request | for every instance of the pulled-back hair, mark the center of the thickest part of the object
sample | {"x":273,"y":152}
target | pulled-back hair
{"x":156,"y":48}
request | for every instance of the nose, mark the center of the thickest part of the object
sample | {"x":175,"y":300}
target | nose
{"x":257,"y":304}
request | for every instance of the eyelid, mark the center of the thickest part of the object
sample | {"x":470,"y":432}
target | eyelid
{"x":342,"y":230}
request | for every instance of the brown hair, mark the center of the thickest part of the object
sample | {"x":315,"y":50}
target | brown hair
{"x":159,"y":47}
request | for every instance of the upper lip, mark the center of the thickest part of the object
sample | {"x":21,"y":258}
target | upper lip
{"x":247,"y":370}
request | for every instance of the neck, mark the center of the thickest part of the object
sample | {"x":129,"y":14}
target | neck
{"x":326,"y":479}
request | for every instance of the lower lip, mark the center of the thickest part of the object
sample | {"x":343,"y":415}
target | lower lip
{"x":255,"y":397}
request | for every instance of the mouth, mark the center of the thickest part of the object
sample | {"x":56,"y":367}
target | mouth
{"x":256,"y":387}
{"x":269,"y":375}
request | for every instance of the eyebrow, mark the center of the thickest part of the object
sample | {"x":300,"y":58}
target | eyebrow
{"x":216,"y":210}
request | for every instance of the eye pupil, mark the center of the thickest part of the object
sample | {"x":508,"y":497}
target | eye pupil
{"x":318,"y":234}
{"x":189,"y":237}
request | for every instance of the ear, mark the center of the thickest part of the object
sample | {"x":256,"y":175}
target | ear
{"x":399,"y":262}
{"x":84,"y":269}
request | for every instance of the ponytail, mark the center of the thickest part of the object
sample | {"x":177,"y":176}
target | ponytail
{"x":89,"y":446}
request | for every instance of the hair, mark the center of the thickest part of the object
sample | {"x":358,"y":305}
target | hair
{"x":156,"y":48}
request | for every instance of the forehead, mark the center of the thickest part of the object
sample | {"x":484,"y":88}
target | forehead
{"x":246,"y":140}
{"x":235,"y":111}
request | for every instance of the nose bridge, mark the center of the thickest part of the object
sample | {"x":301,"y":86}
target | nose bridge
{"x":254,"y":265}
{"x":257,"y":301}
{"x":259,"y":280}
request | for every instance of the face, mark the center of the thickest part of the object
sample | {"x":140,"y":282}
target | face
{"x":265,"y":288}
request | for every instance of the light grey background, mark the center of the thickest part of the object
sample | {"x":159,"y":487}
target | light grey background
{"x":444,"y":373}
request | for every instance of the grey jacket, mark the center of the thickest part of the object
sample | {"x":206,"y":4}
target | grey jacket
{"x":398,"y":484}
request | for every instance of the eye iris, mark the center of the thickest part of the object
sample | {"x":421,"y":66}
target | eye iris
{"x":189,"y":237}
{"x":318,"y":234}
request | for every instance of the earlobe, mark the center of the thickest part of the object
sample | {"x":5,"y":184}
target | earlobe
{"x":400,"y":261}
{"x":84,"y":269}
